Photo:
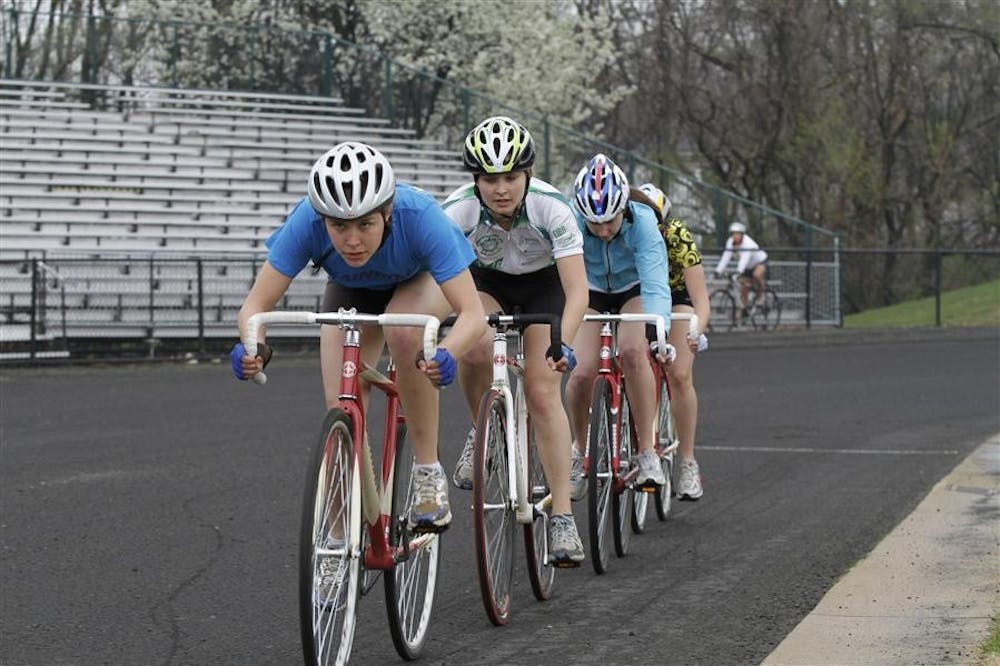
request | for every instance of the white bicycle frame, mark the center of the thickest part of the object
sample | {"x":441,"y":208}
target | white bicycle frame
{"x":517,"y":422}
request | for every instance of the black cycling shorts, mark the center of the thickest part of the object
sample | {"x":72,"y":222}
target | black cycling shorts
{"x":681,"y":297}
{"x":539,"y":292}
{"x":368,"y":301}
{"x":602,"y":301}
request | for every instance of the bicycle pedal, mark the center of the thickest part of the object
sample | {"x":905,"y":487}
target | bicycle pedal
{"x":429,"y":529}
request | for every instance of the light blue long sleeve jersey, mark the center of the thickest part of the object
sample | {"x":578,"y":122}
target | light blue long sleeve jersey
{"x":636,"y":255}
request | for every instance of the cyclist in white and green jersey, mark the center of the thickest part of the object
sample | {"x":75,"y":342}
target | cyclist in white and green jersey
{"x":529,"y":258}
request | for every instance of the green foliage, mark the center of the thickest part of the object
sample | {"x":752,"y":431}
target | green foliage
{"x":978,"y":305}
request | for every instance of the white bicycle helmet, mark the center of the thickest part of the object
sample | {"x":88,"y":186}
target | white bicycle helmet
{"x":351,"y":180}
{"x":737,"y":227}
{"x":657,"y":196}
{"x":498,"y":145}
{"x":601,"y":190}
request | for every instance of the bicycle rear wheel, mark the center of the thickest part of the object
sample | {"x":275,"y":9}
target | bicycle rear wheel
{"x":722,"y":310}
{"x":410,"y":586}
{"x":492,"y":516}
{"x":599,"y":477}
{"x":621,"y":494}
{"x":767,"y":315}
{"x":666,"y":438}
{"x":329,"y":552}
{"x":540,"y":572}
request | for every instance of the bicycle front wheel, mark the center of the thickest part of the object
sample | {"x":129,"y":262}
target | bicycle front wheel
{"x":541,"y":573}
{"x":767,"y":315}
{"x":492,"y":515}
{"x":410,"y":586}
{"x":621,"y":494}
{"x":329,"y":565}
{"x":722,"y":312}
{"x":599,"y":475}
{"x":666,"y":439}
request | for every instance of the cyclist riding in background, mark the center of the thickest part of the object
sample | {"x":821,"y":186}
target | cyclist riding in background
{"x":386,"y":247}
{"x":626,"y":261}
{"x":752,"y":264}
{"x":529,"y":257}
{"x":688,"y":293}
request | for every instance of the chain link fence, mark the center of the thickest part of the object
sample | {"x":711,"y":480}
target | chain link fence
{"x":160,"y":306}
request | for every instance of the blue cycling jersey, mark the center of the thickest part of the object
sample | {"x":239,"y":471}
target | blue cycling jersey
{"x":420,"y":238}
{"x":635,"y":255}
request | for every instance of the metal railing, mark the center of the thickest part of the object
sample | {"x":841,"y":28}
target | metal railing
{"x":149,"y":306}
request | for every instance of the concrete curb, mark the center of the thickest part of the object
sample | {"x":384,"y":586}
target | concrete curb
{"x":927,"y":594}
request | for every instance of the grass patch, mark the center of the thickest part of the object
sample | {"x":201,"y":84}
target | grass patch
{"x":978,"y":305}
{"x":990,"y":650}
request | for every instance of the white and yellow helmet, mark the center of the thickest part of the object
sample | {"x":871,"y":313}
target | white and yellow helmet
{"x":498,"y":145}
{"x":659,"y":199}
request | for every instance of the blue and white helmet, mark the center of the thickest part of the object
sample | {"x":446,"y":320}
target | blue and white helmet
{"x":601,"y":190}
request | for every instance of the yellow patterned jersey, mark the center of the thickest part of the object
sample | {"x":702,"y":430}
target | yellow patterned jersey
{"x":682,"y":251}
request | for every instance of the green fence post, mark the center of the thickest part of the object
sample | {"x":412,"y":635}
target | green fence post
{"x":11,"y":35}
{"x":326,"y":88}
{"x":388,"y":89}
{"x":87,"y":73}
{"x":33,"y":319}
{"x":251,"y":47}
{"x":466,"y":103}
{"x":937,"y":287}
{"x":175,"y":54}
{"x":720,"y":223}
{"x":547,"y":148}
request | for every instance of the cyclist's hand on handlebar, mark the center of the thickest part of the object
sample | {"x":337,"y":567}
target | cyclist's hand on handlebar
{"x":567,"y":360}
{"x":665,"y":356}
{"x":246,"y":366}
{"x":440,"y":370}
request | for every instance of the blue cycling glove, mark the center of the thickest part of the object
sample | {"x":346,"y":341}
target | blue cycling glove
{"x":446,"y":364}
{"x":236,"y":357}
{"x":567,"y":353}
{"x":239,"y":351}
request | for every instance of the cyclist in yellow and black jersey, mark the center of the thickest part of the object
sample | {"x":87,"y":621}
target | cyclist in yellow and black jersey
{"x":688,"y":293}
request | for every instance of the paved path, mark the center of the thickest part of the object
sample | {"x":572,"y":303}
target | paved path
{"x":930,"y":590}
{"x":149,"y":515}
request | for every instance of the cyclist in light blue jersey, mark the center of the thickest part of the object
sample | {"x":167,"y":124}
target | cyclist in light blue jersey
{"x":386,"y":247}
{"x":626,"y":262}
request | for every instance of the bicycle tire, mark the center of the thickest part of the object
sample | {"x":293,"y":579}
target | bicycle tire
{"x":767,"y":315}
{"x":492,"y":516}
{"x":722,"y":311}
{"x":666,"y":436}
{"x":411,"y":584}
{"x":599,"y":478}
{"x":540,"y":572}
{"x":331,"y":504}
{"x":621,"y":494}
{"x":640,"y":497}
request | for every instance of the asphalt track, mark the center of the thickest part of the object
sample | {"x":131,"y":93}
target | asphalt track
{"x":150,"y":513}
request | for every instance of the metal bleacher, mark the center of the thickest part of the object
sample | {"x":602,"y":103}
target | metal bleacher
{"x":121,"y":189}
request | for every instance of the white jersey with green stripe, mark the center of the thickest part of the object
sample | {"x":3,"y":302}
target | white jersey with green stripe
{"x":545,"y":229}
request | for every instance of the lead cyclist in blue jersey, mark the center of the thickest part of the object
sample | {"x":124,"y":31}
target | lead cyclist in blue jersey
{"x":626,"y":261}
{"x":386,"y":247}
